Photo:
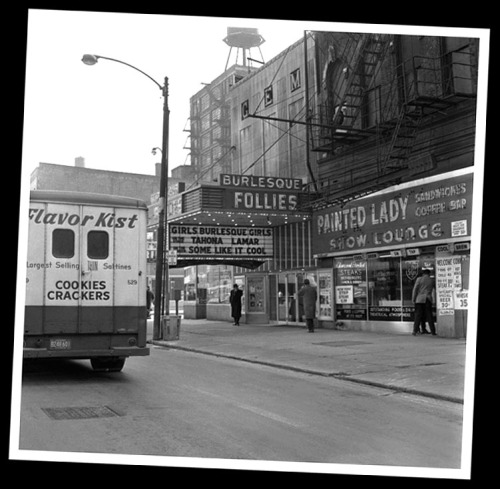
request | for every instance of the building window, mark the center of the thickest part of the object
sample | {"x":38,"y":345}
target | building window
{"x":98,"y":245}
{"x":295,"y":80}
{"x":63,"y":243}
{"x":268,"y":96}
{"x":245,"y":110}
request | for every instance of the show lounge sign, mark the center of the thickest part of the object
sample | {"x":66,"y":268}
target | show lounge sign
{"x":433,"y":211}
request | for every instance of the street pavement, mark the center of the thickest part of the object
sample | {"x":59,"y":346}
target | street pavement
{"x":424,"y":365}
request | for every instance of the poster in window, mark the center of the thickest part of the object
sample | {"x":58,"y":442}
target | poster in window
{"x":344,"y":294}
{"x":325,"y":295}
{"x":256,"y":299}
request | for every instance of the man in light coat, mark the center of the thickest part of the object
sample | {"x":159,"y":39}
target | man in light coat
{"x":422,"y":298}
{"x":309,"y":296}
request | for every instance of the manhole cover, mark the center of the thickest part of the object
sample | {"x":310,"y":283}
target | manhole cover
{"x":343,"y":343}
{"x":80,"y":412}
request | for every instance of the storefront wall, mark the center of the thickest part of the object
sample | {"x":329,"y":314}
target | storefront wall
{"x":428,"y":223}
{"x":375,"y":294}
{"x":363,"y":258}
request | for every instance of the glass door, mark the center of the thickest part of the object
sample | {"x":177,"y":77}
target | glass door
{"x":288,"y":306}
{"x":292,"y":302}
{"x":282,"y":298}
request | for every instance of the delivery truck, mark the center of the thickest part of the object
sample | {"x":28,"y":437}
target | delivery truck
{"x":86,"y":278}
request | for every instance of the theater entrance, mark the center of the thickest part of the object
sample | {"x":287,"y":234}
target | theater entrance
{"x":285,"y":307}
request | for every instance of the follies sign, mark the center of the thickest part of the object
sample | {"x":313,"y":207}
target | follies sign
{"x":425,"y":213}
{"x":257,"y":193}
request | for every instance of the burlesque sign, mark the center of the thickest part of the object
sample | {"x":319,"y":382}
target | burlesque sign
{"x":428,"y":212}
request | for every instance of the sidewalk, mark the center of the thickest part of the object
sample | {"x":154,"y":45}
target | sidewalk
{"x":423,"y":365}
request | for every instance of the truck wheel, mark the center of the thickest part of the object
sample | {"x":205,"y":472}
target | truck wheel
{"x":107,"y":364}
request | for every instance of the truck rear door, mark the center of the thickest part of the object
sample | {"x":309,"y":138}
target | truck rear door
{"x":58,"y":286}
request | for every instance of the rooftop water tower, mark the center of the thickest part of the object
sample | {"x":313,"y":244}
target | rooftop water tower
{"x":243,"y":39}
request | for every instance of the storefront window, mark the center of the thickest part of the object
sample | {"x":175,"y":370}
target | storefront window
{"x":190,"y":283}
{"x":219,"y":283}
{"x":195,"y":284}
{"x":384,"y":279}
{"x":380,"y":288}
{"x":350,"y":289}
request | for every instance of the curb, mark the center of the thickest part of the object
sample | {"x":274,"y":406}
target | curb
{"x":336,"y":375}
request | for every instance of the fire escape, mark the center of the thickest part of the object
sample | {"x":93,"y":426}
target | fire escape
{"x":384,"y":116}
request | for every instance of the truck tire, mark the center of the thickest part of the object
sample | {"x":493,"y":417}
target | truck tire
{"x":103,"y":364}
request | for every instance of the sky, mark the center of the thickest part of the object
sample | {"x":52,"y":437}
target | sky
{"x":112,"y":115}
{"x":108,"y":113}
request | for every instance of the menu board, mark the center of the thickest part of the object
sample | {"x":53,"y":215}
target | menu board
{"x":449,"y":285}
{"x":350,"y":290}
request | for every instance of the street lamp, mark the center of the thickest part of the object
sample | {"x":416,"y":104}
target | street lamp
{"x":161,"y":266}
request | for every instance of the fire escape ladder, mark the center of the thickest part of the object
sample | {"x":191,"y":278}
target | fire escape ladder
{"x":362,"y":58}
{"x":368,"y":59}
{"x":403,"y":137}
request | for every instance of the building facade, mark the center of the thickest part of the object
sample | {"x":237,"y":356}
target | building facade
{"x":407,"y":131}
{"x":379,"y":130}
{"x":210,"y":125}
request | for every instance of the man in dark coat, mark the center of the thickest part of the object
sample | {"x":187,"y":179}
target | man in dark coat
{"x":309,"y":296}
{"x":235,"y":301}
{"x":150,"y":297}
{"x":422,"y":298}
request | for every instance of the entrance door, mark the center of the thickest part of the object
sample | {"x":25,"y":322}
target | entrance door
{"x":289,"y":309}
{"x":283,"y":307}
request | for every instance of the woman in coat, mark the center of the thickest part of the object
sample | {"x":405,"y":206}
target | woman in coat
{"x":235,"y":301}
{"x":309,"y":296}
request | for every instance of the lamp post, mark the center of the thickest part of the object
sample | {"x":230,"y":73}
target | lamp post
{"x":161,"y":293}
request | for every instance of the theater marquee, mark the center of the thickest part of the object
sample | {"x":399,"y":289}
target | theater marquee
{"x":199,"y":242}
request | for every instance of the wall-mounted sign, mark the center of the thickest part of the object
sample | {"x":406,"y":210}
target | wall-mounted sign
{"x":259,"y":182}
{"x":259,"y":200}
{"x":432,"y":211}
{"x":258,"y":193}
{"x":220,"y":242}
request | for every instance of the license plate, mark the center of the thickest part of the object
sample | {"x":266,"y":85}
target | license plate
{"x":60,"y":344}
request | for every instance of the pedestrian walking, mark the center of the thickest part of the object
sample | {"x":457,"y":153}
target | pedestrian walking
{"x":309,"y":296}
{"x":422,"y":298}
{"x":150,"y":297}
{"x":235,"y":301}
